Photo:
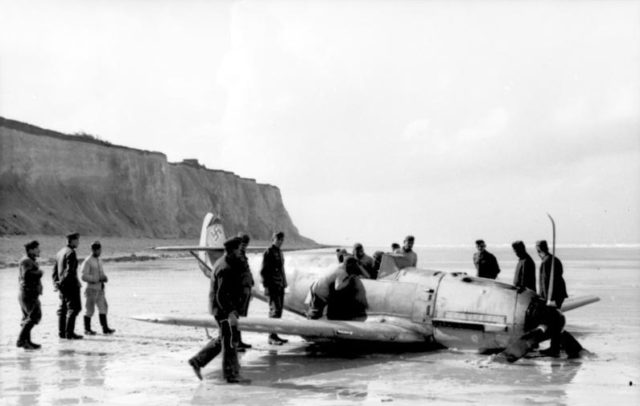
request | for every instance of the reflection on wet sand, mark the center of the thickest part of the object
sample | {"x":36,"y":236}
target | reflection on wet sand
{"x":84,"y":369}
{"x":29,"y":385}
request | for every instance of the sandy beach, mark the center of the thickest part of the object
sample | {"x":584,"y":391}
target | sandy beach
{"x":146,"y":364}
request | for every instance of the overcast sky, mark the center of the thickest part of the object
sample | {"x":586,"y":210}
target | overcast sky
{"x":449,"y":120}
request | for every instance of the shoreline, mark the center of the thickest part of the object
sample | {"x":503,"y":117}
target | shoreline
{"x":114,"y":249}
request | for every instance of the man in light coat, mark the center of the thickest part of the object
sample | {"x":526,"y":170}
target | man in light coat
{"x":93,"y":274}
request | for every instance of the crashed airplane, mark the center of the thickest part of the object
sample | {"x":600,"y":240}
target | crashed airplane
{"x":405,"y":306}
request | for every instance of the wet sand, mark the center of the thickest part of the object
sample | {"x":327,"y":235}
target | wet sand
{"x":146,"y":363}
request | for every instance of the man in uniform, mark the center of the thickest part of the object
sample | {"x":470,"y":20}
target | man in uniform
{"x":30,"y":290}
{"x":364,"y":261}
{"x":274,"y":281}
{"x":247,"y":284}
{"x":555,"y":298}
{"x":224,"y":304}
{"x":485,"y":262}
{"x":559,"y":288}
{"x":93,"y":274}
{"x":525,"y":274}
{"x":408,"y":257}
{"x":65,"y":280}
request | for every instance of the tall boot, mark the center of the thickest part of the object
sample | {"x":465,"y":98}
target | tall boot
{"x":87,"y":326}
{"x":105,"y":325}
{"x":31,"y":343}
{"x":242,"y":346}
{"x":71,"y":326}
{"x":23,"y":338}
{"x":62,"y":325}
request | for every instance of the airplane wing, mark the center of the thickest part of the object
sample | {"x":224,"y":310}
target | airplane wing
{"x":579,"y":301}
{"x":196,"y":248}
{"x":328,"y":329}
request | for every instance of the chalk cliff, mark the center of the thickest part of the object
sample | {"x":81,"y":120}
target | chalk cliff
{"x":51,"y":183}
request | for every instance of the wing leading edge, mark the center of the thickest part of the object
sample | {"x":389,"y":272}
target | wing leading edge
{"x":328,"y":329}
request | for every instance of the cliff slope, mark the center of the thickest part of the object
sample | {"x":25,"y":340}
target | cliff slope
{"x":51,"y":183}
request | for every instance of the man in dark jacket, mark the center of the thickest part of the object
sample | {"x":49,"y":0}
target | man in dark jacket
{"x":559,"y":288}
{"x":65,"y":280}
{"x":30,"y":290}
{"x":224,"y":304}
{"x":274,"y":281}
{"x":525,"y":274}
{"x":485,"y":262}
{"x":555,"y":298}
{"x":247,"y":284}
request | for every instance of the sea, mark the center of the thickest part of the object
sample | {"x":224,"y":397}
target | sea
{"x":145,"y":364}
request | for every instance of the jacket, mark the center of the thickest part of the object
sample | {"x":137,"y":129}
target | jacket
{"x":226,"y":290}
{"x":92,"y":273}
{"x":65,"y":270}
{"x":30,"y":276}
{"x":273,"y":275}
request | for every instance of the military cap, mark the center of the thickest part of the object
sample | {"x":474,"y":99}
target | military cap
{"x":542,"y":244}
{"x":517,"y":245}
{"x":31,"y":245}
{"x":73,"y":236}
{"x":232,"y":243}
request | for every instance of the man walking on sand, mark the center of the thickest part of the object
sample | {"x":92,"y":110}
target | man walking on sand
{"x":30,"y":290}
{"x":224,"y":304}
{"x":93,"y":274}
{"x":65,"y":281}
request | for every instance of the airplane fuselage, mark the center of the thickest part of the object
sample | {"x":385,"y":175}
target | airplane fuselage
{"x":452,"y":309}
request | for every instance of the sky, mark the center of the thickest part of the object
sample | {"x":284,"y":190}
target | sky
{"x":448,"y":120}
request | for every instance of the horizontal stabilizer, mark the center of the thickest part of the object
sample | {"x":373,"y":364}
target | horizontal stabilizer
{"x":188,"y":248}
{"x":331,"y":329}
{"x":580,"y":301}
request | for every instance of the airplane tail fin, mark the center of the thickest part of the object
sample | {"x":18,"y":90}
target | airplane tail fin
{"x":211,"y":236}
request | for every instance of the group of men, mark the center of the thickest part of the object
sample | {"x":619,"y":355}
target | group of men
{"x":525,"y":273}
{"x":66,"y":282}
{"x":229,"y":296}
{"x":231,"y":282}
{"x":341,"y":293}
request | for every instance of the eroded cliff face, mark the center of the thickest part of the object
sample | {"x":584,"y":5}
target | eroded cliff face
{"x":51,"y":183}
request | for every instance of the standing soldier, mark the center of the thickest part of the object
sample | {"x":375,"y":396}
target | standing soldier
{"x":559,"y":287}
{"x":93,"y":274}
{"x":65,"y":280}
{"x":247,"y":284}
{"x":555,"y":298}
{"x":525,"y":274}
{"x":274,"y":281}
{"x":224,"y":304}
{"x":485,"y":262}
{"x":30,"y":290}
